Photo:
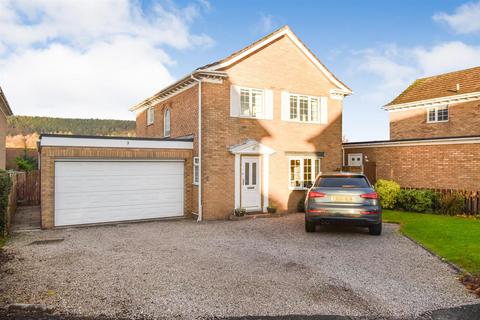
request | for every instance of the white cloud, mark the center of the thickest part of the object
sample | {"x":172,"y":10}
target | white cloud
{"x":89,"y":58}
{"x":100,"y":82}
{"x":466,"y":18}
{"x":447,"y":57}
{"x":394,"y":68}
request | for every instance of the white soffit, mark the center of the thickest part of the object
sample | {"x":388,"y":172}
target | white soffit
{"x":434,"y":102}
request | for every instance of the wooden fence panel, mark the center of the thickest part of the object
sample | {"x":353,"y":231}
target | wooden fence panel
{"x":28,"y":188}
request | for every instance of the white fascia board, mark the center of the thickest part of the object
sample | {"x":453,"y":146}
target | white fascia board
{"x":205,"y":75}
{"x":299,"y":44}
{"x":433,"y":102}
{"x":113,"y":143}
{"x":414,"y":143}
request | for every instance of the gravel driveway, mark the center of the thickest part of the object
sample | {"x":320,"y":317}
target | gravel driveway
{"x":227,"y":268}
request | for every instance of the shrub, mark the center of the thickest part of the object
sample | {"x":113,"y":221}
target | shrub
{"x":417,"y":200}
{"x":388,"y":191}
{"x":25,"y":162}
{"x":5,"y":185}
{"x":272,"y":209}
{"x":451,"y":204}
{"x":239,"y":212}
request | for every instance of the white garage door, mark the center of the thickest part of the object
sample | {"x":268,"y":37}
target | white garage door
{"x":106,"y":191}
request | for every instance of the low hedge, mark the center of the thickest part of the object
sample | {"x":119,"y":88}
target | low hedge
{"x":418,"y":200}
{"x":451,"y":204}
{"x":388,"y":191}
{"x":5,"y":186}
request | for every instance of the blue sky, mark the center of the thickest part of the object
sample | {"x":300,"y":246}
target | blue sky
{"x":97,"y":58}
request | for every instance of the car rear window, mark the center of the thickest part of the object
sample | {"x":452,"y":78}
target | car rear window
{"x":342,"y":182}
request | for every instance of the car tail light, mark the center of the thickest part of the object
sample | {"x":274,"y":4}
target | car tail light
{"x":314,"y":194}
{"x":369,"y":212}
{"x":317,"y":210}
{"x":372,"y":195}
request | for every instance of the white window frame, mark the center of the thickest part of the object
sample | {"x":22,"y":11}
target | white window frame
{"x":196,"y":168}
{"x":150,"y":115}
{"x":302,"y":166}
{"x":436,"y":109}
{"x":356,"y":155}
{"x":165,"y":132}
{"x":309,"y":115}
{"x":250,"y":103}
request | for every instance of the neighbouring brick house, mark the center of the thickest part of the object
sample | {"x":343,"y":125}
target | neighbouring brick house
{"x":271,"y":120}
{"x":5,"y":112}
{"x":434,"y":135}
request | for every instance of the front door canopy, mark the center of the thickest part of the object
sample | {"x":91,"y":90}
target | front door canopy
{"x":251,"y":146}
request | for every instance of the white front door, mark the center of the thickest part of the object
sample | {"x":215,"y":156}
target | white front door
{"x":250,"y":198}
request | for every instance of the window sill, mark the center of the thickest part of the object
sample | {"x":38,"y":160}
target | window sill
{"x":253,"y":118}
{"x":303,"y":122}
{"x":433,"y":122}
{"x":150,"y":124}
{"x":298,"y":188}
{"x":195,"y":184}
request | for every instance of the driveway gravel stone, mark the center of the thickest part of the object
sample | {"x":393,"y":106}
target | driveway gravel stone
{"x":251,"y":267}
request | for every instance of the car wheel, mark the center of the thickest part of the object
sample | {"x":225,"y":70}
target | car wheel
{"x":309,"y":226}
{"x":375,"y":229}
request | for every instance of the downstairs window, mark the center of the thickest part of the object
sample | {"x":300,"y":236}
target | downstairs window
{"x":303,"y":172}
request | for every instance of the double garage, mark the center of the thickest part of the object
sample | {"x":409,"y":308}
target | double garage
{"x":87,"y":180}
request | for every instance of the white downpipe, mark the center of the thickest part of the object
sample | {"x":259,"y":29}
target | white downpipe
{"x":200,"y":211}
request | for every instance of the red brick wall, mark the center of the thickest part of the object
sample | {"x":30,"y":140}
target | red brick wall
{"x":183,"y":122}
{"x":280,"y":66}
{"x":49,"y":154}
{"x":464,"y":120}
{"x":3,"y":132}
{"x":453,"y":166}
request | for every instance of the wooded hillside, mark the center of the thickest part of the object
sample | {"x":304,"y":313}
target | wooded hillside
{"x":26,"y":125}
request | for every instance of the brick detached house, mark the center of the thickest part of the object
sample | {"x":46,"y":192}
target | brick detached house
{"x":271,"y":120}
{"x":248,"y":131}
{"x":434,"y":135}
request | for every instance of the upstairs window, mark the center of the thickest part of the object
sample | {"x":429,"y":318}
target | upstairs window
{"x":150,"y":115}
{"x":196,"y":170}
{"x":437,"y":114}
{"x":251,"y":102}
{"x":304,"y":108}
{"x":166,"y":123}
{"x":303,"y":172}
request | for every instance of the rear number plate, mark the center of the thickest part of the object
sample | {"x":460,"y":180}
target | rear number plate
{"x":342,"y":199}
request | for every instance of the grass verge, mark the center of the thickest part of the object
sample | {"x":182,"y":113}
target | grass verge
{"x":457,"y":239}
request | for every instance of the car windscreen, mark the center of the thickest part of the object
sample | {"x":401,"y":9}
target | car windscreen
{"x":342,"y":182}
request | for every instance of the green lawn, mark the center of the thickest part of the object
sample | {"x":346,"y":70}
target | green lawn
{"x":457,"y":239}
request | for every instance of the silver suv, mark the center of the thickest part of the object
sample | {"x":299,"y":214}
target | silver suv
{"x":343,"y":197}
